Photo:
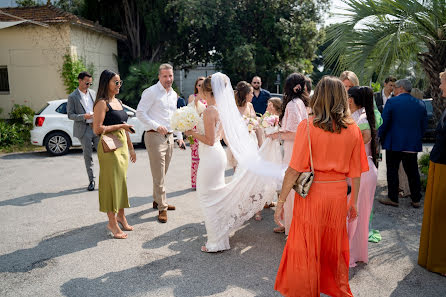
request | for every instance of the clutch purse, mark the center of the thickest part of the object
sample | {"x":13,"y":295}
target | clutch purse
{"x":110,"y":142}
{"x":305,"y":179}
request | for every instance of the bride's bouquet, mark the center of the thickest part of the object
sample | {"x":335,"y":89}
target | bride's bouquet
{"x":270,"y":123}
{"x":251,"y":123}
{"x":183,"y":119}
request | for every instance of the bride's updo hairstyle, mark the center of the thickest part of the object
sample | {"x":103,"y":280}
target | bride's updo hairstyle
{"x":242,"y":89}
{"x":207,"y":86}
{"x":330,"y":106}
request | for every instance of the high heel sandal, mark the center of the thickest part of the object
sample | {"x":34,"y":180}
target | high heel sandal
{"x":116,"y":236}
{"x":128,"y":228}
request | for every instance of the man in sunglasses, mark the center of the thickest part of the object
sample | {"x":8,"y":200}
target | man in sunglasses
{"x":80,"y":110}
{"x":261,"y":96}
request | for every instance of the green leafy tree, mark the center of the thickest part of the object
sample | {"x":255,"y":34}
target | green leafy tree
{"x":141,"y":76}
{"x":380,"y":36}
{"x":28,"y":3}
{"x":71,"y":68}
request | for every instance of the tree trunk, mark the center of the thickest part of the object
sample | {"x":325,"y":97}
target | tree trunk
{"x":434,"y":62}
{"x":131,"y":25}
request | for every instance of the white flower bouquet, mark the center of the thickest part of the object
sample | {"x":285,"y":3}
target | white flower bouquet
{"x":251,"y":123}
{"x":183,"y":119}
{"x":270,"y":123}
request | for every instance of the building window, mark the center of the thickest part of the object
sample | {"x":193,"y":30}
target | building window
{"x":4,"y":82}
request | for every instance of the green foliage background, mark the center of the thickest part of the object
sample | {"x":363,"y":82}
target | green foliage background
{"x":70,"y":70}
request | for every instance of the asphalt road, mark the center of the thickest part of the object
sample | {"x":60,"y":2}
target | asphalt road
{"x":54,"y":241}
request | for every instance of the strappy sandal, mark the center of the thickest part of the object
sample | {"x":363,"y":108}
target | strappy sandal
{"x":116,"y":236}
{"x":279,"y":230}
{"x":125,"y":228}
{"x":258,"y":217}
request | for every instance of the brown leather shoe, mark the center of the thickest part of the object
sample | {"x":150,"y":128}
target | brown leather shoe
{"x":169,"y":207}
{"x":162,"y":216}
{"x":387,"y":201}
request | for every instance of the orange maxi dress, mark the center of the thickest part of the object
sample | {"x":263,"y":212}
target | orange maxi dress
{"x":316,"y":255}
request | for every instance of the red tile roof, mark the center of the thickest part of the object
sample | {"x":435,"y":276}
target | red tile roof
{"x":49,"y":14}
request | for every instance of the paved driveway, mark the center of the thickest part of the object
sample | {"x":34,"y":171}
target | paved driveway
{"x":54,"y":241}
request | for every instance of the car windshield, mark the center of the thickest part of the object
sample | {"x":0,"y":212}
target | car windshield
{"x":42,"y":109}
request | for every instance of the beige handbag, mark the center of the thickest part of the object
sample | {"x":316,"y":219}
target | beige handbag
{"x":110,"y":142}
{"x":305,"y":179}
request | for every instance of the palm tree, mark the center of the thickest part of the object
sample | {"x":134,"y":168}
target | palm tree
{"x":379,"y":35}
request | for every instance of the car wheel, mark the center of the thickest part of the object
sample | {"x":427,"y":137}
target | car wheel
{"x":57,"y":143}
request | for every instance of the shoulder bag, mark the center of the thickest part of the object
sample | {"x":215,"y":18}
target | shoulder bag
{"x":305,"y":179}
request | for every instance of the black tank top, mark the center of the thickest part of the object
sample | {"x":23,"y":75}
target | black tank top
{"x":114,"y":117}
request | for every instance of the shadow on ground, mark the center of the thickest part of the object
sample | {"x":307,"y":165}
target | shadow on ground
{"x":62,"y":243}
{"x":191,"y":272}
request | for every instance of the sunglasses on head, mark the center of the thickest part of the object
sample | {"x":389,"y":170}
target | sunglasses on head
{"x":118,"y":82}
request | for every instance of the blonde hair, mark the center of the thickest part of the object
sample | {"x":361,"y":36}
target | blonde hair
{"x":207,"y":85}
{"x":351,"y":76}
{"x":164,"y":66}
{"x":329,"y":105}
{"x":417,"y":93}
{"x":442,"y":74}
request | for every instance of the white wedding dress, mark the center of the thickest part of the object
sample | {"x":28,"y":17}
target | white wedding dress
{"x":227,"y":206}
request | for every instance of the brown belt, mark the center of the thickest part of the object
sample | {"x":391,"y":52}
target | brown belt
{"x":168,"y":133}
{"x":90,"y":124}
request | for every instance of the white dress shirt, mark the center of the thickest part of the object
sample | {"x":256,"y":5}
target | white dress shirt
{"x":157,"y":107}
{"x":385,"y":97}
{"x":88,"y":103}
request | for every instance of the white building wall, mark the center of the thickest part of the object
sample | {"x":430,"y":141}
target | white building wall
{"x":185,"y":81}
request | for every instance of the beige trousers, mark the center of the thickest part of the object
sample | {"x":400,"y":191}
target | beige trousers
{"x":160,"y":149}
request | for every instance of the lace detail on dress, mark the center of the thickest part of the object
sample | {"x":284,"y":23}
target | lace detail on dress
{"x":295,"y":112}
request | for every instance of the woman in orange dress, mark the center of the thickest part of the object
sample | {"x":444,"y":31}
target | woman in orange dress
{"x":316,"y":256}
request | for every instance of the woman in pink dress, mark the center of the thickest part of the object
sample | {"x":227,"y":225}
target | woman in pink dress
{"x":360,"y":100}
{"x":295,"y":101}
{"x":194,"y":100}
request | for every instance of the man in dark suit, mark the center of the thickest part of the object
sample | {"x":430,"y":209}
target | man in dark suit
{"x":404,"y":123}
{"x":382,"y":96}
{"x":80,"y":110}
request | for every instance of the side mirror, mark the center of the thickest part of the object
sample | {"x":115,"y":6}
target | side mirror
{"x":130,"y":114}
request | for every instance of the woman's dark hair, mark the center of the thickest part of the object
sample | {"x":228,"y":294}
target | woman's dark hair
{"x":290,"y":91}
{"x":363,"y":97}
{"x":242,"y":89}
{"x":105,"y":78}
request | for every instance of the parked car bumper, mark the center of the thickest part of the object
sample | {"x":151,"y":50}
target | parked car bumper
{"x":37,"y":136}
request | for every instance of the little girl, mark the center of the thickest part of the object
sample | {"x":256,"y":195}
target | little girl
{"x":270,"y":149}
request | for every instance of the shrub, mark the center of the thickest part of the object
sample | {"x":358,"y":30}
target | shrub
{"x":141,"y":76}
{"x":71,"y":69}
{"x":22,"y":114}
{"x":13,"y":134}
{"x":423,"y":163}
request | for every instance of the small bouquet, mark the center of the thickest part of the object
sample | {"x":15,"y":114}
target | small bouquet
{"x":270,"y":123}
{"x":252,"y":123}
{"x":183,"y":119}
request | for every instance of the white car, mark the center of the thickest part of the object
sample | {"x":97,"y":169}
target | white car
{"x":54,"y":130}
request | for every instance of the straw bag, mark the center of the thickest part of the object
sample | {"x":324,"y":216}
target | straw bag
{"x":110,"y":142}
{"x":305,"y":179}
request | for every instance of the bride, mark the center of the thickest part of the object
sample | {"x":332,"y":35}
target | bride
{"x":227,"y":206}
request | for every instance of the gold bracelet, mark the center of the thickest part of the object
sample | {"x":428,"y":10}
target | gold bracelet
{"x":283,"y":201}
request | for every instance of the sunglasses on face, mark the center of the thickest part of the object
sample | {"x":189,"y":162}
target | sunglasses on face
{"x":88,"y":84}
{"x":256,"y":83}
{"x":118,"y":82}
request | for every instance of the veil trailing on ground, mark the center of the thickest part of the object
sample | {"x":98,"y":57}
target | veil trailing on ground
{"x":236,"y":132}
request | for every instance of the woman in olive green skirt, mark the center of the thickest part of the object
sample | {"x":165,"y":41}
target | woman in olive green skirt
{"x":110,"y":118}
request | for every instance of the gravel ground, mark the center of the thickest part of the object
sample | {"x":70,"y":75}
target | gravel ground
{"x":54,"y":241}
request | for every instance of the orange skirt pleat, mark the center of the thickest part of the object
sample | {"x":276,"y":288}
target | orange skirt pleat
{"x":316,"y":256}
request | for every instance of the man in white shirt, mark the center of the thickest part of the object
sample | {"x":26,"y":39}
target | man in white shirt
{"x":157,"y":105}
{"x":80,"y":110}
{"x":385,"y":94}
